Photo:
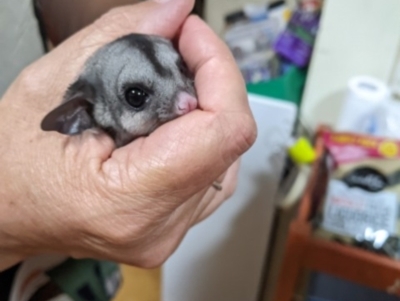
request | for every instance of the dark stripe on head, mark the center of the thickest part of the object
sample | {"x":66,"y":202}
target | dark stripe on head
{"x":146,"y":47}
{"x":184,"y":71}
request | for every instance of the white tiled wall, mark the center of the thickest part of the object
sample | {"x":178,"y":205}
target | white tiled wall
{"x":19,"y":39}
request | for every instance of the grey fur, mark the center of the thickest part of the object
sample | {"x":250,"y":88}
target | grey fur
{"x":97,"y":97}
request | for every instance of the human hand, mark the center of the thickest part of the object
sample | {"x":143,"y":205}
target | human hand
{"x":81,"y":197}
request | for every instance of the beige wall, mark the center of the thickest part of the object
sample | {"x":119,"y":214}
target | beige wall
{"x":19,"y":39}
{"x":395,"y":80}
{"x":357,"y":37}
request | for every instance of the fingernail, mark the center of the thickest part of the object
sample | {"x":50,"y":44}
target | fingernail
{"x":161,"y":1}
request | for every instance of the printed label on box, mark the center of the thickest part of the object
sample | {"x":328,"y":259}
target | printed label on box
{"x":349,"y":211}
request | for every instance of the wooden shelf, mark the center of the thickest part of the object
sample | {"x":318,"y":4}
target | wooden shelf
{"x":303,"y":251}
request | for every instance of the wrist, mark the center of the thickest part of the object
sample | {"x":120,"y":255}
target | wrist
{"x":12,"y":250}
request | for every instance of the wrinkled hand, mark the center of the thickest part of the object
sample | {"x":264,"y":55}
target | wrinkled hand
{"x":81,"y":197}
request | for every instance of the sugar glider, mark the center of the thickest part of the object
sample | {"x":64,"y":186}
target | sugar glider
{"x":128,"y":88}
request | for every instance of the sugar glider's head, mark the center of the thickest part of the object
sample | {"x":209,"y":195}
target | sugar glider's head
{"x":127,"y":88}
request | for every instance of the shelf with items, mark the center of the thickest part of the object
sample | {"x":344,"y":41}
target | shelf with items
{"x":304,"y":251}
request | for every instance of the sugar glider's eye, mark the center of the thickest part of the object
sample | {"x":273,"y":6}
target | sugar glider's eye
{"x":136,"y":97}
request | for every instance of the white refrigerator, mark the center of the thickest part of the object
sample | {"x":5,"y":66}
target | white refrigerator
{"x":222,"y":258}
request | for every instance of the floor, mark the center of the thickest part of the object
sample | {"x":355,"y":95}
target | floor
{"x":140,"y":285}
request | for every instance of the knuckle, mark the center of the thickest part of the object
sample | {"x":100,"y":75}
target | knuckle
{"x":151,"y":261}
{"x":117,"y":238}
{"x":230,"y":190}
{"x":123,"y":232}
{"x":106,"y":21}
{"x":115,"y":11}
{"x":150,"y":258}
{"x":229,"y":187}
{"x":158,"y":251}
{"x":28,"y":79}
{"x":246,"y":133}
{"x":119,"y":233}
{"x":111,"y":15}
{"x":114,"y":20}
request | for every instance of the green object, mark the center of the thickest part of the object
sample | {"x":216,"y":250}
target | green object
{"x":288,"y":87}
{"x":302,"y":152}
{"x":87,"y":279}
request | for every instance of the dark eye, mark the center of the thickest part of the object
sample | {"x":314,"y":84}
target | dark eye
{"x":136,"y":97}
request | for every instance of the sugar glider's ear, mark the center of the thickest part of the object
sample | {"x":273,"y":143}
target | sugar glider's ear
{"x":75,"y":114}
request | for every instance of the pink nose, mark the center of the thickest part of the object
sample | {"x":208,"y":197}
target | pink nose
{"x":186,"y":103}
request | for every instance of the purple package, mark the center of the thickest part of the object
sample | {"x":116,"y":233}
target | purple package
{"x":296,"y":42}
{"x":293,"y":49}
{"x":308,"y":21}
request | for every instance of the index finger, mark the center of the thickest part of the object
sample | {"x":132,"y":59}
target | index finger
{"x":215,"y":69}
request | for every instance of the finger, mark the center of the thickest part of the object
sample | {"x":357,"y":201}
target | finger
{"x":208,"y":197}
{"x":228,"y":187}
{"x":189,"y":211}
{"x":185,"y":153}
{"x":216,"y":91}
